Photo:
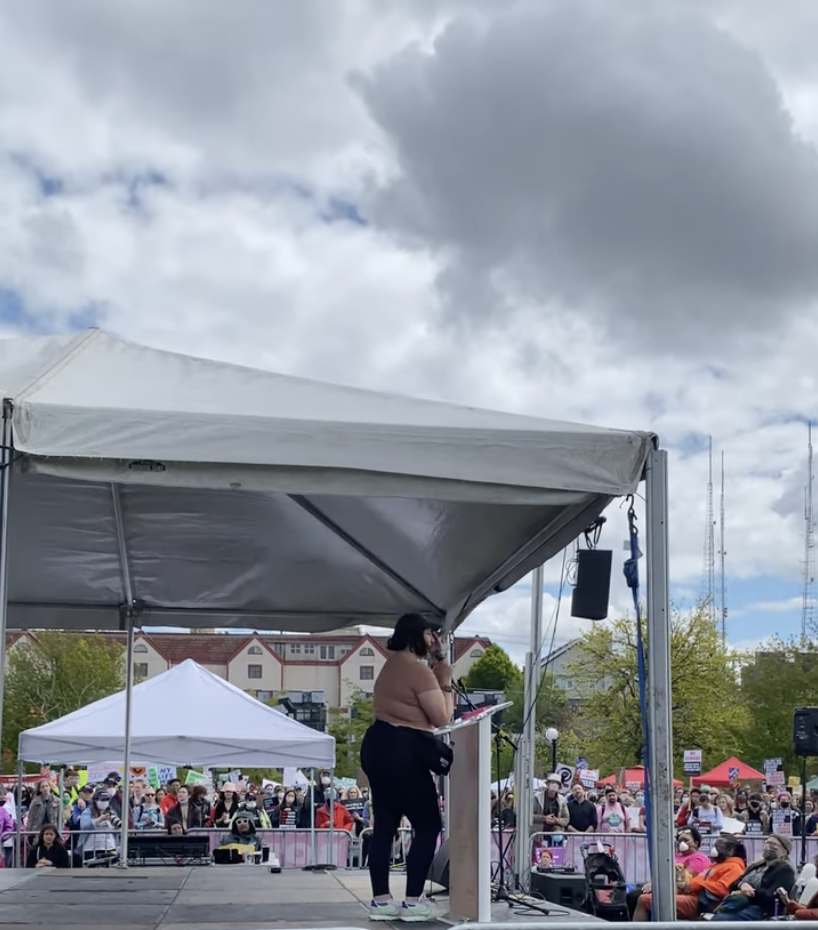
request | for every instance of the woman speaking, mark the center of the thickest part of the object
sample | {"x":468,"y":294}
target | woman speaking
{"x":413,"y":696}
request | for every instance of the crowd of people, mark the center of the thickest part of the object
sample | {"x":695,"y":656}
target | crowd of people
{"x":716,"y":810}
{"x":84,"y":822}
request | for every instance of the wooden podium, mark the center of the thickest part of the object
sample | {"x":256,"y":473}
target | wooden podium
{"x":469,"y":800}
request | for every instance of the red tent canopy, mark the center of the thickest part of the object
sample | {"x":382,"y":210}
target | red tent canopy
{"x":719,"y":777}
{"x":634,"y":776}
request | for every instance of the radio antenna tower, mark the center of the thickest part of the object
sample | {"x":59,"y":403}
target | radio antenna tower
{"x":808,"y":602}
{"x":709,"y":570}
{"x":722,"y":554}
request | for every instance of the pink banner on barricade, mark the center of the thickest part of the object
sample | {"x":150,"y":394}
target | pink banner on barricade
{"x":631,"y":850}
{"x":293,"y":848}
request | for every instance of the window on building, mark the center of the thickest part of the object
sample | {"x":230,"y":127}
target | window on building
{"x":140,"y":669}
{"x":254,"y":671}
{"x":254,"y":651}
{"x":476,"y":653}
{"x":367,"y":673}
{"x":345,"y":649}
{"x":309,"y":649}
{"x":328,"y":652}
{"x":140,"y":647}
{"x":367,"y":651}
{"x":278,"y":648}
{"x":295,"y":649}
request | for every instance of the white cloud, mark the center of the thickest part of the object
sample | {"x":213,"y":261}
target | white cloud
{"x":209,"y":158}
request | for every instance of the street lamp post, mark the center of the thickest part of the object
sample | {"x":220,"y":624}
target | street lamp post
{"x":552,"y":735}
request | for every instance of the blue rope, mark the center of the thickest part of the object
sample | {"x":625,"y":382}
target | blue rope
{"x":631,"y":570}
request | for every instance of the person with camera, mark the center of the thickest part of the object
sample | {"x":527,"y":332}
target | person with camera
{"x":98,"y":827}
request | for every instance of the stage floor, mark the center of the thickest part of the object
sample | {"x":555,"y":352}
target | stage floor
{"x":201,"y":898}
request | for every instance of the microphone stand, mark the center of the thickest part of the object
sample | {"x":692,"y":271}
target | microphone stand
{"x":502,"y":892}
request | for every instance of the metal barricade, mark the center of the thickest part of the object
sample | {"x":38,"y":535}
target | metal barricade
{"x":292,"y":847}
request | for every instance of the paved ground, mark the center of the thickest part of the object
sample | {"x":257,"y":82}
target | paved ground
{"x":228,"y":897}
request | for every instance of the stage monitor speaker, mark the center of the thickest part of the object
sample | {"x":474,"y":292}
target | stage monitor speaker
{"x":593,"y":586}
{"x":565,"y":889}
{"x":805,"y":731}
{"x":439,"y":872}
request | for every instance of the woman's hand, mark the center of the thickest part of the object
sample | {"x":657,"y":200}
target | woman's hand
{"x":747,"y":889}
{"x":782,"y":896}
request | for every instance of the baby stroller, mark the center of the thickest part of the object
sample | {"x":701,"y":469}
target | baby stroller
{"x":605,"y":886}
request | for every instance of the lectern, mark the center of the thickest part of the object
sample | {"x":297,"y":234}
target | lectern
{"x":469,"y":798}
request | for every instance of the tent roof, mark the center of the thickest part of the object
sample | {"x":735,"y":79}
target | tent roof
{"x":719,"y":777}
{"x":225,"y":728}
{"x":241,"y":488}
{"x":632,"y":776}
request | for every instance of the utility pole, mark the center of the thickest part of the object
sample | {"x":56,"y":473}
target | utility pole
{"x":722,"y":554}
{"x":808,"y":600}
{"x":709,"y":567}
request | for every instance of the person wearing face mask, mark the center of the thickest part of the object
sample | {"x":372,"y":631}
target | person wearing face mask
{"x":255,"y":811}
{"x":706,"y":814}
{"x":286,"y":815}
{"x":788,"y":813}
{"x":690,"y":860}
{"x":756,"y":813}
{"x":413,"y":697}
{"x":689,"y":801}
{"x":273,"y":796}
{"x":702,"y":893}
{"x":99,"y":826}
{"x":754,"y":895}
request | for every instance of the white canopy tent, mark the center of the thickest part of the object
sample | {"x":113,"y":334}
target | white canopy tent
{"x":239,"y":489}
{"x":229,"y":728}
{"x":138,"y":485}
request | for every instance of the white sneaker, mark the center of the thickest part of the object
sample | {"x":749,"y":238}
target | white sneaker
{"x":273,"y":863}
{"x":384,"y":910}
{"x":421,"y":912}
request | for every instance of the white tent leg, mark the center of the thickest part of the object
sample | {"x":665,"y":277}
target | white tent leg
{"x":522,"y":788}
{"x":128,"y":614}
{"x":6,"y":468}
{"x":126,"y":761}
{"x":662,"y":870}
{"x":18,"y":830}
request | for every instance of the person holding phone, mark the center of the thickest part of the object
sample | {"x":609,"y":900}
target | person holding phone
{"x":413,"y":697}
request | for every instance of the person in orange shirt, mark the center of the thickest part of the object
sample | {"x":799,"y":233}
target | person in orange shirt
{"x":702,"y":893}
{"x":343,"y":818}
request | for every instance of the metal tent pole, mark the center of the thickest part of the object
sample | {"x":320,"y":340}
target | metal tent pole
{"x":6,"y":468}
{"x":522,"y":789}
{"x":128,"y":613}
{"x":662,"y":869}
{"x":18,"y":817}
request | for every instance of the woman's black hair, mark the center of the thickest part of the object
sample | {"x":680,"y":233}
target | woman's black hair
{"x":408,"y":634}
{"x":694,"y":833}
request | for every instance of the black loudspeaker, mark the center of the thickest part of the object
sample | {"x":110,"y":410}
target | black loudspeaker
{"x":593,"y":585}
{"x":805,"y":731}
{"x":566,"y":889}
{"x":439,"y":872}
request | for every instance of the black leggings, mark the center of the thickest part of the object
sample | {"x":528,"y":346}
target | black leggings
{"x":400,"y":787}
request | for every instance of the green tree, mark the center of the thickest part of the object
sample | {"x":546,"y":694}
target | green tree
{"x":348,"y":728}
{"x":779,"y":677}
{"x":494,"y":671}
{"x":56,"y":673}
{"x":707,"y":709}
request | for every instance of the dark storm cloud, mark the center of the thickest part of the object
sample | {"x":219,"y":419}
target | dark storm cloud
{"x":628,"y":160}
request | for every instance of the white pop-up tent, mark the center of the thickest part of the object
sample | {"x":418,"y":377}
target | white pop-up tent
{"x":226,"y":728}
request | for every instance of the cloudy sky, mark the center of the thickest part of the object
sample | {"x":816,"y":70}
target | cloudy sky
{"x":581,"y":209}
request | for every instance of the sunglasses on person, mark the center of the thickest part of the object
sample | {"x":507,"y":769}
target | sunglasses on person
{"x":150,"y":794}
